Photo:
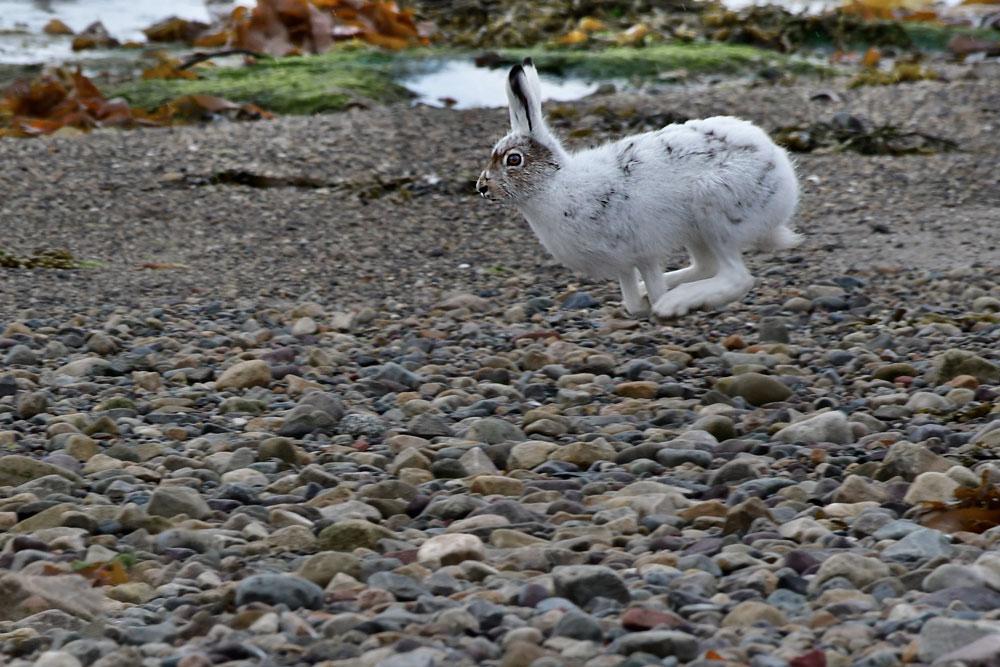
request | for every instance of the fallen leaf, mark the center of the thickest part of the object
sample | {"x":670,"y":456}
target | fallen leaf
{"x":975,"y":510}
{"x":590,"y":24}
{"x":61,"y":99}
{"x":572,"y":38}
{"x":872,"y":57}
{"x":633,"y":35}
{"x":109,"y":573}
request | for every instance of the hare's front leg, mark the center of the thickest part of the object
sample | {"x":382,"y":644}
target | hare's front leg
{"x":732,"y":281}
{"x":632,"y":296}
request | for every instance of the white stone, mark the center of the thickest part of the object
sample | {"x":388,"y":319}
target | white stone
{"x":452,"y":548}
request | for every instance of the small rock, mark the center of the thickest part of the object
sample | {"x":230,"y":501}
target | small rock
{"x":919,"y":545}
{"x":859,"y":570}
{"x":169,"y":501}
{"x":908,"y":460}
{"x":56,"y":659}
{"x":984,"y":652}
{"x":825,"y":427}
{"x":582,"y":583}
{"x":304,"y":326}
{"x":773,"y":330}
{"x":584,"y":454}
{"x":492,"y":430}
{"x":32,"y":403}
{"x":16,"y":470}
{"x":322,"y":567}
{"x":940,"y":636}
{"x":526,"y":455}
{"x":637,"y":389}
{"x":451,"y":549}
{"x":274,"y":589}
{"x":756,"y":388}
{"x":752,"y":612}
{"x":578,"y":625}
{"x":954,"y":362}
{"x":931,"y":487}
{"x":660,"y":643}
{"x":245,"y":374}
{"x":351,"y":534}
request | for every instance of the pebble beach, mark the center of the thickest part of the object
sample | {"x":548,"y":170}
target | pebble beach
{"x":313,"y":402}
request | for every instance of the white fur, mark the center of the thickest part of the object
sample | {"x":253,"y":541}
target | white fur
{"x":715,"y":187}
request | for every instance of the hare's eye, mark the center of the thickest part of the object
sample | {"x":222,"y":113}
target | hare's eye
{"x":513,"y":160}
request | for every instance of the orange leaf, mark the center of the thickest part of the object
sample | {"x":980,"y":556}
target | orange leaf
{"x":872,"y":57}
{"x":572,"y":38}
{"x":712,"y":654}
{"x":213,"y":40}
{"x":633,"y":35}
{"x":590,"y":24}
{"x":109,"y":573}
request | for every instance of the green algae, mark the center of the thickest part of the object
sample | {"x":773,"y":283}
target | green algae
{"x":335,"y":80}
{"x":652,"y":61}
{"x":293,"y":85}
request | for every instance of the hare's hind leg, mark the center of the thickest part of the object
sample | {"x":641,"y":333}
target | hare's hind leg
{"x":703,"y":265}
{"x":633,"y":297}
{"x":730,"y":283}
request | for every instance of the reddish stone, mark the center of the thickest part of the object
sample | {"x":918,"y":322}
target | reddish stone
{"x":814,"y":658}
{"x":404,"y":557}
{"x":638,"y":618}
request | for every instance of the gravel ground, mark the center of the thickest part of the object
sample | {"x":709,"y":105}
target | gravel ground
{"x":363,"y":421}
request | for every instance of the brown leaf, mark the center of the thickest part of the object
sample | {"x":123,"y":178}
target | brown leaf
{"x":975,"y":510}
{"x":962,"y":519}
{"x":161,"y":266}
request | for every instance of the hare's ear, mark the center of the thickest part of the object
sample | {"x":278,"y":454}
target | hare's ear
{"x":525,"y":101}
{"x":531,"y":74}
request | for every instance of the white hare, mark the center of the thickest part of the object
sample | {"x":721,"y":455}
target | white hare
{"x":715,"y":186}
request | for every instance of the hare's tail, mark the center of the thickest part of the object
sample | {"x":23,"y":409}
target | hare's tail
{"x":780,"y":238}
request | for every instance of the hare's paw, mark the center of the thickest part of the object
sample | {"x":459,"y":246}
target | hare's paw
{"x":673,"y":305}
{"x":716,"y":291}
{"x":637,"y":309}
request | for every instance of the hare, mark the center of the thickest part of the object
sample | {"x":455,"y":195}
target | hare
{"x":715,"y":186}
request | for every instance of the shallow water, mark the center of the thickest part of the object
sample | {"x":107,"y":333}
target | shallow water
{"x":470,"y":86}
{"x":21,"y":23}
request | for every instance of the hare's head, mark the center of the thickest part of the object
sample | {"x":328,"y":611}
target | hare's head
{"x":523,"y":160}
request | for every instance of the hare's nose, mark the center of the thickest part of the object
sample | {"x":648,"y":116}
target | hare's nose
{"x":483,"y":189}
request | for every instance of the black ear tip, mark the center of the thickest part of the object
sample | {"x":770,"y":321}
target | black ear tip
{"x":528,"y":62}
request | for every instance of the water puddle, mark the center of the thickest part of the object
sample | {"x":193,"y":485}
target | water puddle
{"x":462,"y":85}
